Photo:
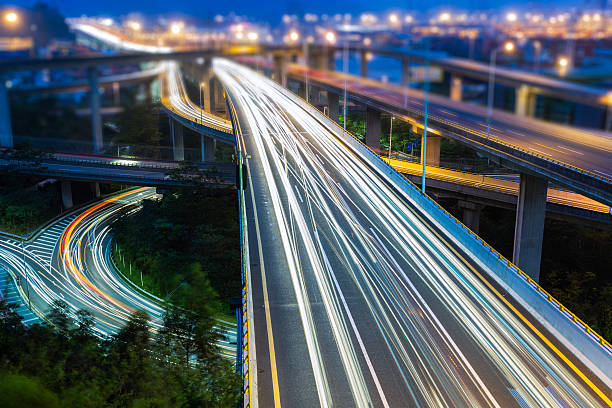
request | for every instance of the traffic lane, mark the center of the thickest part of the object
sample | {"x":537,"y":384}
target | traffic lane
{"x":292,"y":368}
{"x":571,"y":151}
{"x":415,"y":375}
{"x":545,"y":351}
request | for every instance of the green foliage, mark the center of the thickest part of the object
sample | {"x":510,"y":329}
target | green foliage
{"x":67,"y":366}
{"x":190,"y":235}
{"x":139,"y":129}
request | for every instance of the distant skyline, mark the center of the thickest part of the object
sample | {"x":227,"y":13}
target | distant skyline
{"x":272,"y":11}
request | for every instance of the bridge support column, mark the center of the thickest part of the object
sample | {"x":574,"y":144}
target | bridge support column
{"x":364,"y":64}
{"x":280,"y":69}
{"x":321,"y":61}
{"x":208,"y":82}
{"x":456,"y":88}
{"x":405,"y":72}
{"x":208,"y":145}
{"x":524,"y":104}
{"x":96,"y":117}
{"x":176,"y":133}
{"x":433,"y":149}
{"x":6,"y":133}
{"x":471,"y":215}
{"x":529,"y":226}
{"x":333,"y":106}
{"x":66,"y":186}
{"x":373,"y":129}
{"x":95,"y":189}
{"x":116,"y":93}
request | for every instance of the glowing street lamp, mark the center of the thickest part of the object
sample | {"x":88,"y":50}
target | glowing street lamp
{"x":508,"y":47}
{"x":11,"y":17}
{"x":444,"y":17}
{"x":563,"y":62}
{"x":252,"y":36}
{"x":393,"y":19}
{"x":330,"y":37}
{"x":294,"y":36}
{"x":134,"y":25}
{"x":175,"y":28}
{"x":511,"y":17}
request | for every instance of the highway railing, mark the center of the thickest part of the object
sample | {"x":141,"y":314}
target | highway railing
{"x":246,"y":356}
{"x":574,"y":333}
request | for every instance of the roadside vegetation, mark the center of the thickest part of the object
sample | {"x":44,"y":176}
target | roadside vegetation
{"x":190,"y":235}
{"x":63,"y":364}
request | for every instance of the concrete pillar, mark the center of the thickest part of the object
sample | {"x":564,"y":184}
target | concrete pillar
{"x":405,"y":72}
{"x":529,"y":226}
{"x":116,"y":94}
{"x":208,"y":91}
{"x":471,"y":215}
{"x":280,"y":69}
{"x":456,"y":88}
{"x":321,"y":61}
{"x":207,"y":145}
{"x":301,"y":90}
{"x":364,"y":64}
{"x":333,"y":106}
{"x":315,"y":95}
{"x":67,"y":194}
{"x":95,"y":189}
{"x":6,"y":132}
{"x":433,"y":149}
{"x":96,"y":117}
{"x":373,"y":129}
{"x":178,"y":147}
{"x":524,"y":101}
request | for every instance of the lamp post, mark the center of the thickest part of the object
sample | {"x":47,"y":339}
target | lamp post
{"x":508,"y":47}
{"x":390,"y":134}
{"x":169,"y":295}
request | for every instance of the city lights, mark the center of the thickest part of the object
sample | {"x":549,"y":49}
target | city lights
{"x":508,"y":46}
{"x":11,"y":17}
{"x":511,"y":17}
{"x":330,"y":37}
{"x":294,"y":36}
{"x":252,"y":36}
{"x":444,"y":17}
{"x":175,"y":28}
{"x":134,"y":25}
{"x":393,"y":19}
{"x":563,"y":62}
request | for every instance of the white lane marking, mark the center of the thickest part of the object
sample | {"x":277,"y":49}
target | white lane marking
{"x":298,"y":192}
{"x":571,"y":150}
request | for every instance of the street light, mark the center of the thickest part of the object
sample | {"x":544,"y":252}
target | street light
{"x":330,"y":37}
{"x":511,"y":17}
{"x":294,"y":36}
{"x":390,"y":133}
{"x":11,"y":17}
{"x":508,"y":47}
{"x":169,"y":295}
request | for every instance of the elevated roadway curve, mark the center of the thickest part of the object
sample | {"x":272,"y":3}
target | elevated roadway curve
{"x":361,"y":297}
{"x":70,"y":260}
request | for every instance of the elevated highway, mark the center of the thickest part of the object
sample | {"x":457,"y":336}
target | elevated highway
{"x":356,"y":280}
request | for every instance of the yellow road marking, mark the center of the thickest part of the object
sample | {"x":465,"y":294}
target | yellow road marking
{"x":273,"y":370}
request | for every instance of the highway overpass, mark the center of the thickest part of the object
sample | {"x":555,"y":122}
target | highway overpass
{"x":356,"y":281}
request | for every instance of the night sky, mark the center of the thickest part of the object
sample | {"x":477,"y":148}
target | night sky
{"x":269,"y":10}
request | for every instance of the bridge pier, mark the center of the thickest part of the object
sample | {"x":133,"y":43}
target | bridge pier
{"x":208,"y":93}
{"x":333,"y":106}
{"x":471,"y":214}
{"x":372,"y":129}
{"x":280,"y":69}
{"x":217,"y":103}
{"x":178,"y":147}
{"x":524,"y":104}
{"x":321,"y":61}
{"x":95,"y":189}
{"x":96,"y":117}
{"x":207,"y":145}
{"x":405,"y":72}
{"x":456,"y":88}
{"x":433,"y":149}
{"x":529,"y":225}
{"x":6,"y":132}
{"x":116,"y":93}
{"x":364,"y":64}
{"x":66,"y":186}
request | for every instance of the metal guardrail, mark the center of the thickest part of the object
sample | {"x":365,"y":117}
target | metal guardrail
{"x":491,"y":253}
{"x":244,"y":357}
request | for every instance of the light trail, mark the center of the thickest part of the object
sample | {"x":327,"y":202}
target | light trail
{"x":82,"y":273}
{"x":391,"y":313}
